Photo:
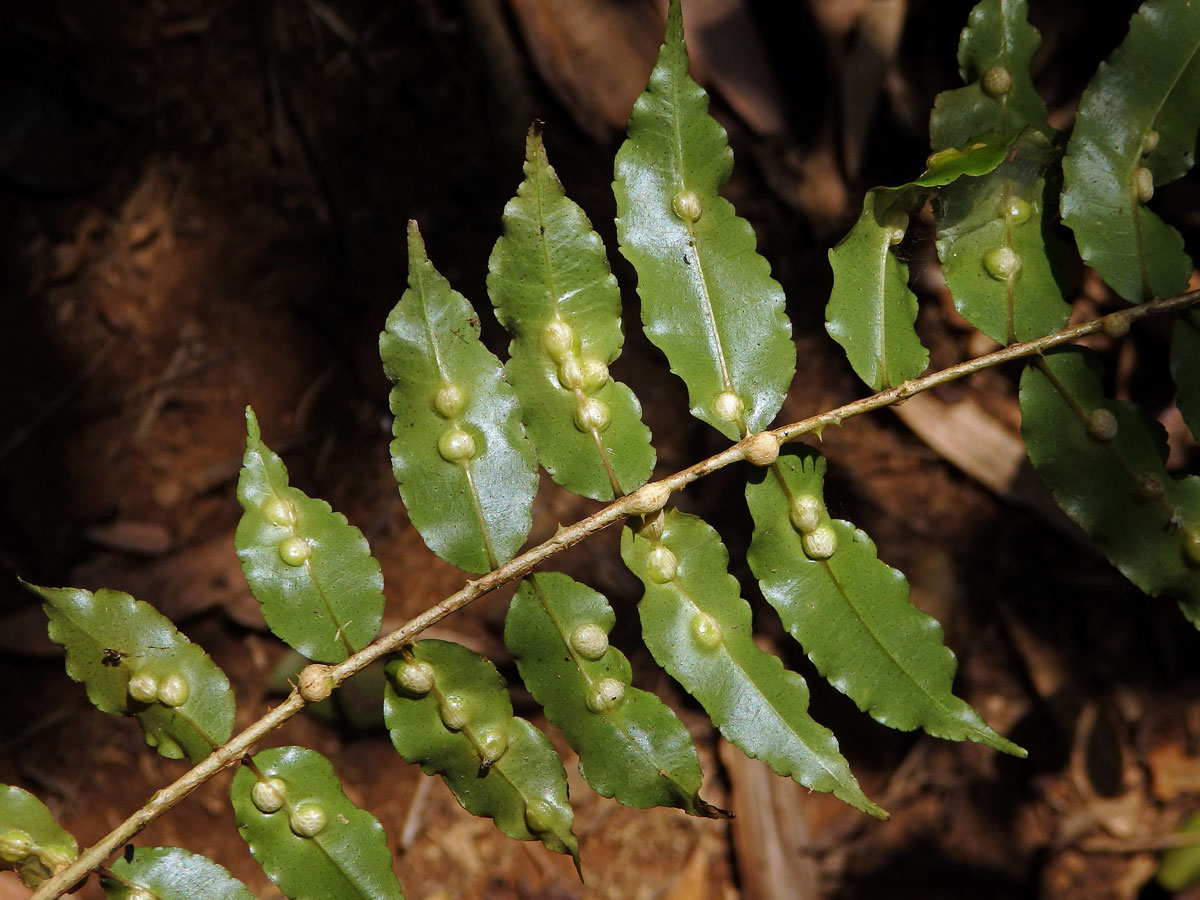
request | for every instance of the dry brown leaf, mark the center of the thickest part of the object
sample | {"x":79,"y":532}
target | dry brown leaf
{"x":770,"y":831}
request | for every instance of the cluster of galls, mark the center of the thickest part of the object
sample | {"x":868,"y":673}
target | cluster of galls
{"x":418,"y":678}
{"x":819,"y":541}
{"x":662,"y":567}
{"x":171,"y":690}
{"x":306,"y":819}
{"x":294,"y":550}
{"x":590,"y":641}
{"x":34,"y":864}
{"x":455,"y":444}
{"x":584,"y":375}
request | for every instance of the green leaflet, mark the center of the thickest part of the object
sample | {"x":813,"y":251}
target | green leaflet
{"x":169,"y":873}
{"x":994,"y":53}
{"x":850,"y":610}
{"x":1136,"y":128}
{"x":708,"y":299}
{"x":321,"y":590}
{"x":134,"y":662}
{"x":630,"y":745}
{"x":1104,"y":462}
{"x":466,"y":471}
{"x":998,"y":251}
{"x":1185,"y":368}
{"x":1180,"y":866}
{"x":308,"y":837}
{"x":446,"y":709}
{"x":871,"y":310}
{"x":552,"y":288}
{"x":31,"y":841}
{"x":697,"y":627}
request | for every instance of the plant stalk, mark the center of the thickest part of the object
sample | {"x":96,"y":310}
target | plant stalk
{"x":632,"y":504}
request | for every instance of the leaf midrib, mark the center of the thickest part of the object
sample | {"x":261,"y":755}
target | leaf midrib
{"x":706,"y":305}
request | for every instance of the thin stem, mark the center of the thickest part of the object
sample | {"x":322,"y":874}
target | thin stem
{"x":637,"y":503}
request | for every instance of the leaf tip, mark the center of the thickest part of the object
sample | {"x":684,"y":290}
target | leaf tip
{"x":416,"y":248}
{"x":252,"y":430}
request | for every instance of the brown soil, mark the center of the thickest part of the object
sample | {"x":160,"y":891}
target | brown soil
{"x":205,"y":208}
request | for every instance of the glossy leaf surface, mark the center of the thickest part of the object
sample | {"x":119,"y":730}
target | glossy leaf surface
{"x":552,"y":289}
{"x":871,"y":310}
{"x":134,"y":662}
{"x":466,"y":471}
{"x":170,"y":873}
{"x":851,"y":611}
{"x":1185,"y":368}
{"x":448,"y":710}
{"x":311,"y":841}
{"x":994,"y":53}
{"x":320,"y":589}
{"x":708,"y":299}
{"x":998,"y":251}
{"x":1103,"y":460}
{"x":31,"y":841}
{"x":630,"y":745}
{"x":698,"y":628}
{"x":1136,"y":128}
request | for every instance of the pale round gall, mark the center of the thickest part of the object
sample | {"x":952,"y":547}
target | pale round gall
{"x":570,"y":374}
{"x":456,"y":445}
{"x":707,"y":631}
{"x":416,"y":678}
{"x":592,"y":415}
{"x":687,"y":206}
{"x":605,"y":695}
{"x":595,"y":374}
{"x":895,"y":226}
{"x":806,"y":513}
{"x":315,"y":683}
{"x":653,"y":526}
{"x":269,"y":796}
{"x":1150,"y":142}
{"x":308,"y":819}
{"x":558,"y":340}
{"x":648,"y":499}
{"x":1191,"y":547}
{"x":996,"y":81}
{"x":539,"y":816}
{"x":820,"y":543}
{"x":661,"y":565}
{"x":761,"y":449}
{"x":449,"y":401}
{"x":728,"y":406}
{"x":55,"y":858}
{"x":173,"y":690}
{"x":15,"y":845}
{"x":143,"y":687}
{"x":590,"y":641}
{"x":279,"y":511}
{"x":1101,"y":425}
{"x":295,"y":551}
{"x":1018,"y":211}
{"x":1115,"y":326}
{"x":1002,"y":263}
{"x":492,"y":745}
{"x":454,"y":712}
{"x":1143,"y":184}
